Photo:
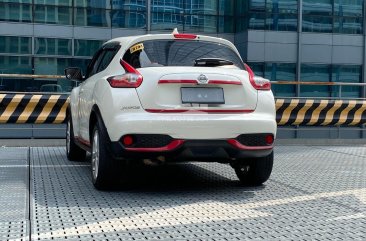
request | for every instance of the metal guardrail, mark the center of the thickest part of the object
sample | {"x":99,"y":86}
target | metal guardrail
{"x":32,"y":76}
{"x":317,"y":83}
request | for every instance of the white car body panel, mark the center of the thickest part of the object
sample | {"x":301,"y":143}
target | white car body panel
{"x":123,"y":109}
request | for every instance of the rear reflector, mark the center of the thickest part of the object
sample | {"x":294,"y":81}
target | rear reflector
{"x":269,"y":139}
{"x":185,"y":36}
{"x":127,"y":140}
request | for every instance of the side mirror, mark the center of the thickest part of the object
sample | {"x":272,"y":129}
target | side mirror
{"x":74,"y":73}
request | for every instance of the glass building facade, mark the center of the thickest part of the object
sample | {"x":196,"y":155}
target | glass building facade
{"x":287,"y":40}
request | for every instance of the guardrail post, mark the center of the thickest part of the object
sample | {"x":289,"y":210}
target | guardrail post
{"x":340,"y":92}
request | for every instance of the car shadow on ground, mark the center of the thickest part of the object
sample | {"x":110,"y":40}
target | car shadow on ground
{"x":177,"y":177}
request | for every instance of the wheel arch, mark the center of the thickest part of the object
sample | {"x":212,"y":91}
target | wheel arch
{"x":96,"y":116}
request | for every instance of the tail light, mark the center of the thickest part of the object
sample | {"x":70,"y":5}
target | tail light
{"x":131,"y":79}
{"x":258,"y":83}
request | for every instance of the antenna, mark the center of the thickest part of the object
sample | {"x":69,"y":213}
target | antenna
{"x":175,"y":31}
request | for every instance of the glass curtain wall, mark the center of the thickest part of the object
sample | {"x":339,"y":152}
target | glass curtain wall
{"x":210,"y":16}
{"x":277,"y":72}
{"x":333,"y":16}
{"x":328,"y":74}
{"x":95,"y":13}
{"x":51,"y":57}
{"x":275,"y":15}
{"x":312,"y":73}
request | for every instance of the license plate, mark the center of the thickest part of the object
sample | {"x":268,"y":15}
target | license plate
{"x":202,"y":95}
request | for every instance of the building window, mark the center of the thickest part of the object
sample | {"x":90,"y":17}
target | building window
{"x":15,"y":65}
{"x":333,"y":16}
{"x":193,"y":16}
{"x":347,"y":74}
{"x":92,"y":17}
{"x":257,"y":67}
{"x":315,"y":73}
{"x":275,"y":15}
{"x":67,"y":3}
{"x":86,"y":47}
{"x":52,"y":14}
{"x":105,"y":4}
{"x":281,"y":72}
{"x":128,"y":19}
{"x":14,"y":12}
{"x":15,"y":45}
{"x":51,"y":46}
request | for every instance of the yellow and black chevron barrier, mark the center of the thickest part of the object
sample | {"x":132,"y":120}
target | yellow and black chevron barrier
{"x":311,"y":112}
{"x":51,"y":108}
{"x":33,"y":108}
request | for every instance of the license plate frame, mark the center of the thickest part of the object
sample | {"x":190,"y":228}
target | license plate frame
{"x":199,"y":95}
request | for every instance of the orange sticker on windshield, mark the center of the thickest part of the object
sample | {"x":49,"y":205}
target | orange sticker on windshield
{"x":136,"y":47}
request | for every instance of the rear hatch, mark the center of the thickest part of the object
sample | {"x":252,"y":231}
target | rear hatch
{"x":196,"y":88}
{"x":183,"y":75}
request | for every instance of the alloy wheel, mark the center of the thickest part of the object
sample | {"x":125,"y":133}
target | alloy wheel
{"x":95,"y":155}
{"x":68,"y":137}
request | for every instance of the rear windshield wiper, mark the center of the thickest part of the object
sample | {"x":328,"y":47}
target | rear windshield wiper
{"x":210,"y":62}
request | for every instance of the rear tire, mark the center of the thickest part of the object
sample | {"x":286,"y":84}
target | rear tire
{"x":106,"y":171}
{"x":254,"y":171}
{"x":73,"y":151}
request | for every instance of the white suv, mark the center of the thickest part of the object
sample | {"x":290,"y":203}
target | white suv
{"x":170,"y":98}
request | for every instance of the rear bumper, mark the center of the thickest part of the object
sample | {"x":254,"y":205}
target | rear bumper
{"x":191,"y":126}
{"x":193,"y":150}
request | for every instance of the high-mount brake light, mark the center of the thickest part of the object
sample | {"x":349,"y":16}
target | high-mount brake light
{"x":131,"y":79}
{"x":185,"y":36}
{"x":258,"y":83}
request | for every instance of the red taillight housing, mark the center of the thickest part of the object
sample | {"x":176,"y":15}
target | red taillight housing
{"x":257,"y":82}
{"x":131,"y":79}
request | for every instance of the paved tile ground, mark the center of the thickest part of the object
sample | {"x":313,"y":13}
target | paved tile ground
{"x":314,"y":193}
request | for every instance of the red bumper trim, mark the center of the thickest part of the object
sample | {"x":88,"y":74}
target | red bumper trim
{"x":197,"y":111}
{"x":170,"y":147}
{"x":82,"y":141}
{"x":240,"y":146}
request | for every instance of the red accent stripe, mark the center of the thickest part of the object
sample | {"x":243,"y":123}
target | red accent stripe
{"x":238,"y":145}
{"x":173,"y":145}
{"x":185,"y":36}
{"x":188,"y":81}
{"x":82,"y":141}
{"x":197,"y":111}
{"x":224,"y":82}
{"x":168,"y":81}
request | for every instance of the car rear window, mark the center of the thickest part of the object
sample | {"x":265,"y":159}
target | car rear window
{"x":155,"y":53}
